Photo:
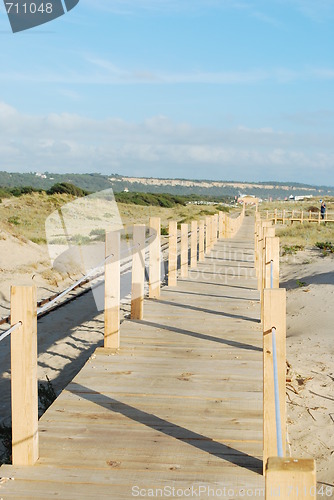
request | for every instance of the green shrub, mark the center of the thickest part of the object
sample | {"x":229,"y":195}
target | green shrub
{"x":327,"y":246}
{"x":291,"y":249}
{"x":67,"y":188}
{"x":14,"y":220}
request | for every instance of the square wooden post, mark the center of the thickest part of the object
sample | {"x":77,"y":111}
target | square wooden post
{"x":138,"y":272}
{"x":193,"y":240}
{"x":184,"y":250}
{"x":274,"y":317}
{"x":172,"y":254}
{"x":291,"y":478}
{"x":272,"y":255}
{"x":112,"y":293}
{"x":207,"y":235}
{"x":216,"y":220}
{"x":227,"y":226}
{"x":24,"y":376}
{"x":201,"y":241}
{"x":220,"y":225}
{"x":155,"y":258}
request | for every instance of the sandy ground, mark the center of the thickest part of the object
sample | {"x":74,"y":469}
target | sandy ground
{"x":309,"y":280}
{"x":67,"y":337}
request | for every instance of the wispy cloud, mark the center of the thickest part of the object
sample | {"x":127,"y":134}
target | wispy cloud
{"x":68,"y":142}
{"x":95,"y":70}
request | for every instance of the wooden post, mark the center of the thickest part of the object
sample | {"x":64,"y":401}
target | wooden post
{"x":275,"y":216}
{"x":224,"y":217}
{"x":138,"y":272}
{"x":302,"y":217}
{"x":184,"y":250}
{"x":227,"y":226}
{"x":221,"y":225}
{"x":267,"y":214}
{"x":274,"y":316}
{"x":193,"y":240}
{"x":216,"y":227}
{"x":292,"y":478}
{"x":272,"y":254}
{"x":309,"y":215}
{"x":283,"y":220}
{"x":207,"y":235}
{"x":112,"y":294}
{"x":319,"y":217}
{"x":24,"y":376}
{"x":172,"y":254}
{"x":155,"y":259}
{"x":201,"y":241}
{"x":213,"y":226}
{"x":262,"y":225}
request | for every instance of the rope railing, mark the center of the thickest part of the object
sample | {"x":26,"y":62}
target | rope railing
{"x":10,"y":330}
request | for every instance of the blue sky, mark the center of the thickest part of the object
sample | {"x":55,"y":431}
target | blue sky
{"x":220,"y":89}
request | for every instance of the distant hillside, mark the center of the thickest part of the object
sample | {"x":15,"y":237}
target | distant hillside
{"x":98,"y":182}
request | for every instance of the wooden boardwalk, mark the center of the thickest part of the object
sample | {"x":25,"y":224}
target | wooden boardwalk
{"x":179,"y":406}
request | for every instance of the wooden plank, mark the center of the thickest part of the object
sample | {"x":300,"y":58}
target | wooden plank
{"x":180,"y":403}
{"x":112,"y":286}
{"x":138,"y":272}
{"x":24,"y":376}
{"x":155,"y":258}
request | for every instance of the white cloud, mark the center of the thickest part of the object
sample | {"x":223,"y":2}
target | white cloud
{"x":159,"y":147}
{"x":97,"y":70}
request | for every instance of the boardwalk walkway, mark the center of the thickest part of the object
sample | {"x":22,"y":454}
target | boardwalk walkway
{"x":180,"y":406}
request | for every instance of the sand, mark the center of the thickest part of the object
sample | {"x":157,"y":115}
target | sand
{"x":309,"y":279}
{"x":67,"y":337}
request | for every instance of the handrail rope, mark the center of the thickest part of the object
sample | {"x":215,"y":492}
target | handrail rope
{"x":10,"y":330}
{"x":271,"y":273}
{"x":84,"y":278}
{"x":277,"y":402}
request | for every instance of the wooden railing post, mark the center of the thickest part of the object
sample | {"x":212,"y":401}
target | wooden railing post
{"x":216,"y":219}
{"x":227,"y":226}
{"x":302,"y":217}
{"x":201,"y":241}
{"x":172,"y":254}
{"x":155,"y":259}
{"x":212,"y":232}
{"x":193,"y":245}
{"x":272,"y":259}
{"x":274,"y":317}
{"x":260,"y":247}
{"x":138,"y":272}
{"x":275,"y":215}
{"x":24,"y":376}
{"x":112,"y":285}
{"x":319,"y":218}
{"x":291,"y":478}
{"x":283,"y":217}
{"x":221,"y":225}
{"x":184,"y":250}
{"x":207,"y":235}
